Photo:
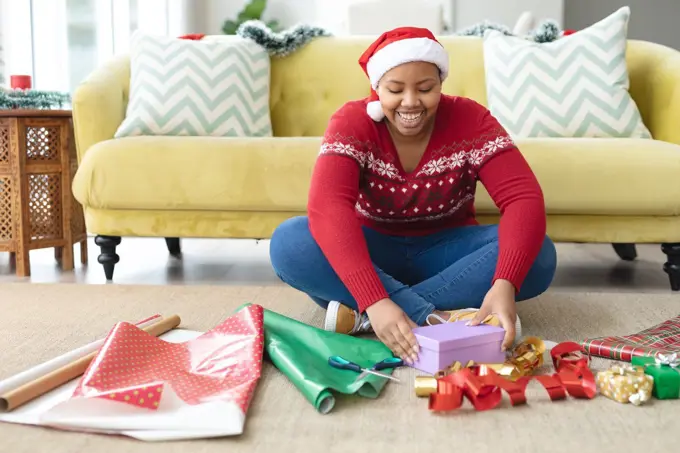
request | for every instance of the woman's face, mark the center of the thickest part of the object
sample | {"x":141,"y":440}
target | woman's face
{"x":409,"y":95}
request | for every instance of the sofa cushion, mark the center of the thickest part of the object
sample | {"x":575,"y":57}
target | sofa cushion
{"x":197,"y":173}
{"x":185,"y":87}
{"x":578,"y":176}
{"x":602,"y":176}
{"x":576,"y":86}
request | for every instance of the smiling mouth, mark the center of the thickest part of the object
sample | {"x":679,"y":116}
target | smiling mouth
{"x":410,"y":118}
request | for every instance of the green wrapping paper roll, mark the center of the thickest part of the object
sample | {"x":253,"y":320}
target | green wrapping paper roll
{"x":301,"y":352}
{"x":666,"y":377}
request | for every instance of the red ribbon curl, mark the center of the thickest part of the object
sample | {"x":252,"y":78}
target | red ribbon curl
{"x":483,"y":387}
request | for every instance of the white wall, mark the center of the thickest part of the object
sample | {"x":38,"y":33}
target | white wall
{"x":370,"y":18}
{"x":208,"y":15}
{"x":506,"y":12}
{"x":2,"y":45}
{"x":658,"y":23}
{"x":17,"y":50}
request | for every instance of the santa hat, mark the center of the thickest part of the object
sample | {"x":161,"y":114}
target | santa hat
{"x":394,"y":48}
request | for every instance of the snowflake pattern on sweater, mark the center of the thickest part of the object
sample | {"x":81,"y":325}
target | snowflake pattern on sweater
{"x":359,"y":180}
{"x":442,"y":186}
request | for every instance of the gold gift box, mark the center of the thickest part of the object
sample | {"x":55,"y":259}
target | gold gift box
{"x":625,"y":384}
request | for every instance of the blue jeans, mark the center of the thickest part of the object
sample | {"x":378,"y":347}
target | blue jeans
{"x":448,"y":270}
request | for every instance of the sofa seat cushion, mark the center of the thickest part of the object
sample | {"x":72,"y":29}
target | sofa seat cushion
{"x":197,"y":173}
{"x":582,"y":176}
{"x":602,"y":176}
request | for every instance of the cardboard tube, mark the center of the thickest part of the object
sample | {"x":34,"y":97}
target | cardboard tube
{"x":31,"y":390}
{"x":42,"y":369}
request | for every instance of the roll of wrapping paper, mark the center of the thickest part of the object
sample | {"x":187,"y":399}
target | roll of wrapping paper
{"x":524,"y":359}
{"x":42,"y":369}
{"x":31,"y":390}
{"x":300,"y":351}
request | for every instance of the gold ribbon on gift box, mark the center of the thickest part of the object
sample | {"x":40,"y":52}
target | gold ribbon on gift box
{"x":524,"y":359}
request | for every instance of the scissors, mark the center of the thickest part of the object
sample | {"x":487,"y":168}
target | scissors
{"x":344,"y":364}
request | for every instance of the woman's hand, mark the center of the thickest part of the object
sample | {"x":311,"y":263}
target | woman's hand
{"x":500,"y":301}
{"x":394,"y":329}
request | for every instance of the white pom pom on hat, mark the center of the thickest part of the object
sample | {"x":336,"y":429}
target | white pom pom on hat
{"x":375,"y":110}
{"x":394,"y":48}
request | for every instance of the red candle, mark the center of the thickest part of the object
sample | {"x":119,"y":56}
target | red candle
{"x":20,"y":82}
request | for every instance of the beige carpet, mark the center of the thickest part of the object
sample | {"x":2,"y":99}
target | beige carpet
{"x":42,"y":321}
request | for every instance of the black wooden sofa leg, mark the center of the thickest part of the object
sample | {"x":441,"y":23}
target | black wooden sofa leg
{"x":108,"y":257}
{"x":174,"y":247}
{"x":626,"y":252}
{"x":672,"y":264}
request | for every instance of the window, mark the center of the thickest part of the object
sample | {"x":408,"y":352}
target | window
{"x":60,"y":42}
{"x":2,"y":59}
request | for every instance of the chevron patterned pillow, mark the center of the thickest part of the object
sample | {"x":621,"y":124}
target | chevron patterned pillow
{"x":184,"y":87}
{"x":576,"y":86}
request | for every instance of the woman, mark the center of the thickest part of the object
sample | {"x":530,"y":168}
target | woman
{"x":391,"y":237}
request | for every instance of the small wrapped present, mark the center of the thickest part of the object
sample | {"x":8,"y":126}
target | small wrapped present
{"x":625,"y":384}
{"x":665,"y":369}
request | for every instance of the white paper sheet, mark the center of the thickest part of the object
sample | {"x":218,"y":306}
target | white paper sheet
{"x":173,"y":420}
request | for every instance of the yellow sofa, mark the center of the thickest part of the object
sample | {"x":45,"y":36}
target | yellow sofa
{"x":619,"y":191}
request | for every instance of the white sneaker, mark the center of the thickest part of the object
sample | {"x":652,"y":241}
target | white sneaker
{"x":342,"y":319}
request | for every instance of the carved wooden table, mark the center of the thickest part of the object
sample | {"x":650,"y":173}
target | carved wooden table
{"x":37,"y":208}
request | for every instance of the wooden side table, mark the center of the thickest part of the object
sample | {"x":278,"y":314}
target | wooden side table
{"x":37,"y":208}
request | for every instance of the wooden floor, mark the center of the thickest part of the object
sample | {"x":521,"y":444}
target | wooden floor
{"x":246,"y":262}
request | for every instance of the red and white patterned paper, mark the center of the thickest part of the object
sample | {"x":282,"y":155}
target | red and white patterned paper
{"x":663,"y":338}
{"x":134,"y":367}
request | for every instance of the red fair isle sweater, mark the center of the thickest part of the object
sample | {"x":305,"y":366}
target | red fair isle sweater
{"x":358,"y":180}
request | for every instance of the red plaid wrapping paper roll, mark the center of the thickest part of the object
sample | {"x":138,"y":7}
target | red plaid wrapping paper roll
{"x":662,"y":338}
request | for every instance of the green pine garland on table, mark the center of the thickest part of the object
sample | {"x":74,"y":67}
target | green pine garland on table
{"x":33,"y":99}
{"x":282,"y":43}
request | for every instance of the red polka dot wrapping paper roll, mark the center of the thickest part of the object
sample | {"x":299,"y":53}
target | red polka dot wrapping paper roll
{"x":139,"y":381}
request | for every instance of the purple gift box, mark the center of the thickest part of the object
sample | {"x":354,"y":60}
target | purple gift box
{"x":443,"y":344}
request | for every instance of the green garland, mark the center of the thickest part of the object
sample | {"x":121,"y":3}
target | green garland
{"x":33,"y":99}
{"x":283,"y":43}
{"x":290,"y":40}
{"x":547,"y":31}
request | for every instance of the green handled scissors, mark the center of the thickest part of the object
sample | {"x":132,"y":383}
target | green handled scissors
{"x":344,"y":364}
